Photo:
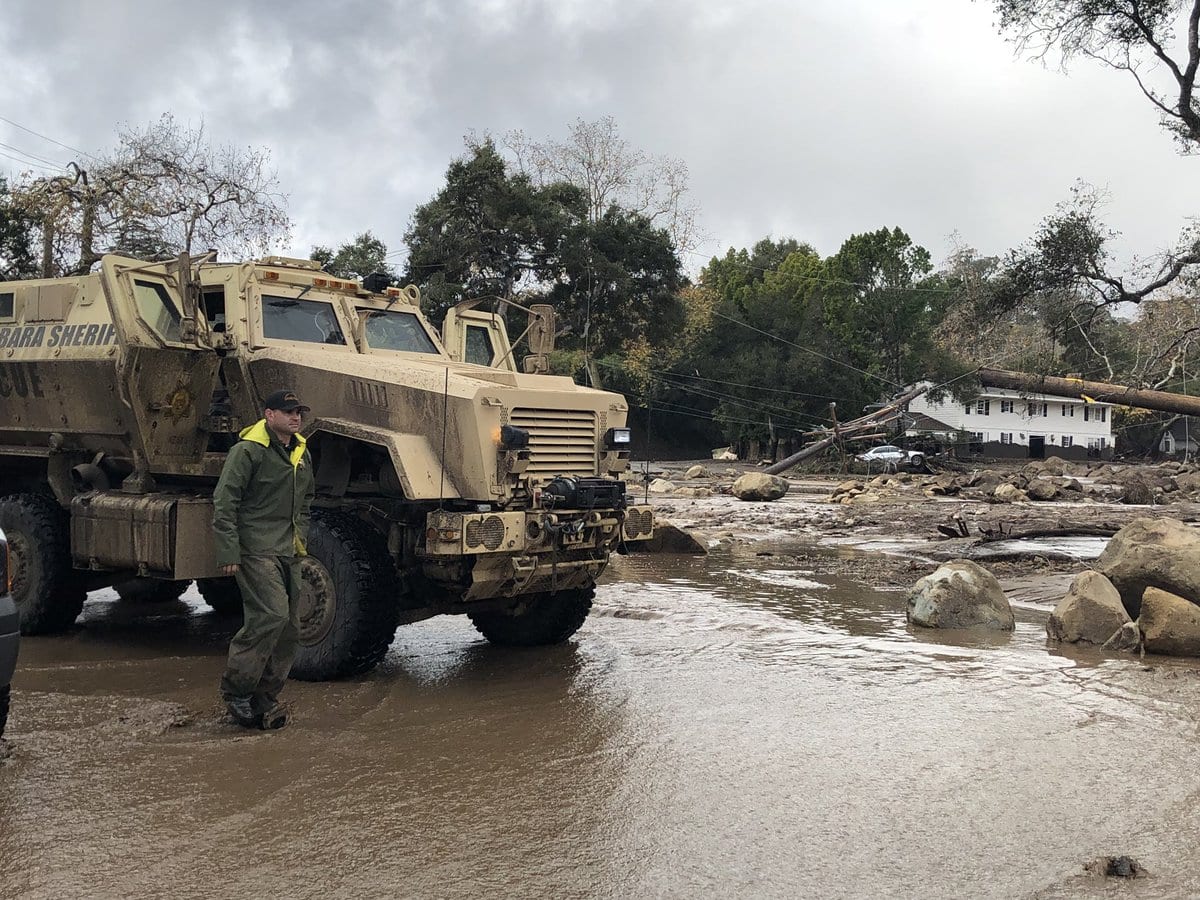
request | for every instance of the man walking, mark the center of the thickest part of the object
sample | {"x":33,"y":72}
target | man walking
{"x":260,"y":520}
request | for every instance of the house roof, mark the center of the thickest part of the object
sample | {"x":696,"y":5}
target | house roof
{"x":922,"y":422}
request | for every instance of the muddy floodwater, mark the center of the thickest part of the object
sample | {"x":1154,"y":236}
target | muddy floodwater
{"x":730,"y":726}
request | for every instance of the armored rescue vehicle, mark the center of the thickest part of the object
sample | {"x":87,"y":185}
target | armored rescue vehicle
{"x":444,"y":485}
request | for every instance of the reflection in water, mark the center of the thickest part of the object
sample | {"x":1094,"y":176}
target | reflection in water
{"x":728,"y":725}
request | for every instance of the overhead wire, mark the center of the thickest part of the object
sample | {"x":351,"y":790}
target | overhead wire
{"x":47,"y":138}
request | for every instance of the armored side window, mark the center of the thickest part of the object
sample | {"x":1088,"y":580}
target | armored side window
{"x":156,"y":310}
{"x":310,"y":321}
{"x":8,"y":305}
{"x":397,"y":330}
{"x":214,"y":308}
{"x":479,"y":348}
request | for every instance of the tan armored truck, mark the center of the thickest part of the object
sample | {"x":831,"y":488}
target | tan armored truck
{"x":443,"y":485}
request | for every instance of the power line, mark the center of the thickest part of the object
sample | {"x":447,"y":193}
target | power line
{"x":45,"y":138}
{"x":25,"y":162}
{"x":33,"y":156}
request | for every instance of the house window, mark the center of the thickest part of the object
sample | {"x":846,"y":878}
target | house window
{"x":977,"y":436}
{"x":967,"y":409}
{"x":1006,"y":437}
{"x":1006,"y":406}
{"x":1068,"y":409}
{"x":983,"y":407}
{"x":1102,"y":414}
{"x":1067,"y":440}
{"x":1087,"y":413}
{"x":1045,"y":409}
{"x":1098,"y":444}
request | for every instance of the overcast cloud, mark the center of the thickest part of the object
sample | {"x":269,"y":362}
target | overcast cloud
{"x":814,"y":120}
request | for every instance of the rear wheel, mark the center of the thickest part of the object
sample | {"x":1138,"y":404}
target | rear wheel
{"x":349,"y":599}
{"x":538,"y":619}
{"x":48,"y":593}
{"x":150,"y":590}
{"x":917,"y":460}
{"x":222,"y":594}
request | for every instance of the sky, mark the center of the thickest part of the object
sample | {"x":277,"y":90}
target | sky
{"x":814,"y":120}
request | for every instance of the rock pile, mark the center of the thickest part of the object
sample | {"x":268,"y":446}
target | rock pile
{"x":1145,"y":591}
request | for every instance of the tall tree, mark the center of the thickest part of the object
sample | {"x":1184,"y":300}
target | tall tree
{"x":365,"y":255}
{"x":17,"y":257}
{"x":163,"y":190}
{"x":613,"y":173}
{"x":488,"y":232}
{"x":1157,"y":44}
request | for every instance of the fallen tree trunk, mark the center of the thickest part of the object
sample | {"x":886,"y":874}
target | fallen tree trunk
{"x":1062,"y":530}
{"x":1164,"y":401}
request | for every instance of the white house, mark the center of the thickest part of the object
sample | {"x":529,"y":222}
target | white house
{"x":1016,"y":424}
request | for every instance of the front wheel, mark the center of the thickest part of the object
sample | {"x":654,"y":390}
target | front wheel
{"x":916,"y":460}
{"x":45,"y":587}
{"x":537,"y":619}
{"x":349,"y":599}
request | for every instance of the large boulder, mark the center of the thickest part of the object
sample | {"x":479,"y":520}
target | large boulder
{"x":1054,"y":465}
{"x":1090,"y":612}
{"x":696,"y":472}
{"x":1170,"y":624}
{"x":1041,"y":489}
{"x":1162,"y":553}
{"x":960,"y":594}
{"x":1137,"y":492}
{"x":661,"y":486}
{"x":1008,"y":493}
{"x":759,"y":486}
{"x":668,"y":538}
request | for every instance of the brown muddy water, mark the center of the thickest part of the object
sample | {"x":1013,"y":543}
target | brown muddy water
{"x":730,"y":726}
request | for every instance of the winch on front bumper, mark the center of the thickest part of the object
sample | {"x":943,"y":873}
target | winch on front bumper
{"x":535,"y":531}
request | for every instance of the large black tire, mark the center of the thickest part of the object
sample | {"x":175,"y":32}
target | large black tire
{"x":350,"y":601}
{"x":538,"y":619}
{"x":150,"y":590}
{"x":917,"y":460}
{"x":48,"y":593}
{"x":4,"y":693}
{"x":222,"y":594}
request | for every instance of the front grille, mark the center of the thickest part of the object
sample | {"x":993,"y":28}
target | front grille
{"x":561,"y":442}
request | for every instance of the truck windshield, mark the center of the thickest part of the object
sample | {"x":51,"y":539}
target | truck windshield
{"x":396,"y":330}
{"x":311,"y":321}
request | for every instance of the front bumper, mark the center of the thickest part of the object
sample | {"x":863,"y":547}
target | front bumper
{"x":451,"y":534}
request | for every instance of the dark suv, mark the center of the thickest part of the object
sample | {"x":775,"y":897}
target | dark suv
{"x":9,"y":631}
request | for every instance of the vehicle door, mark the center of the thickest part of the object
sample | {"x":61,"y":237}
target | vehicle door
{"x":166,"y":371}
{"x":479,"y":337}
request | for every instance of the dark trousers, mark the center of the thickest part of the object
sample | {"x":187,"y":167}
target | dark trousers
{"x":261,"y":653}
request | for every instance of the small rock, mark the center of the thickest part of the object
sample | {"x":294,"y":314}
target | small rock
{"x":866,"y":497}
{"x":724,"y":454}
{"x":696,"y":493}
{"x":696,"y":472}
{"x":759,"y":486}
{"x":661,"y":486}
{"x":1090,"y":612}
{"x":1127,"y":637}
{"x":1054,"y":465}
{"x":1070,"y":484}
{"x":1115,"y":867}
{"x":960,"y":594}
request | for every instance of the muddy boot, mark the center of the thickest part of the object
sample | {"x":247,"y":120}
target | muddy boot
{"x":242,"y":710}
{"x":273,"y":718}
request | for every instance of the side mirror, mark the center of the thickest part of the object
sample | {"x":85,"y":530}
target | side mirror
{"x":542,"y":327}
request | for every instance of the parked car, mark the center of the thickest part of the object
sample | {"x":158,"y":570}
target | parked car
{"x":9,"y":631}
{"x":895,"y":456}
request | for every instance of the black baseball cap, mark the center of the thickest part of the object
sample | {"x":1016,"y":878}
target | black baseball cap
{"x":285,"y":401}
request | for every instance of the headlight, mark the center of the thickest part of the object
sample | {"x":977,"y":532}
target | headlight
{"x":618,"y":438}
{"x":513,"y":438}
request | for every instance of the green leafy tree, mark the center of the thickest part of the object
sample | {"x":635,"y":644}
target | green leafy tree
{"x":17,"y":257}
{"x":488,"y":232}
{"x":363,"y":256}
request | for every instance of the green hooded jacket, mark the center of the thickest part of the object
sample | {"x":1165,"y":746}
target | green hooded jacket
{"x":261,"y":504}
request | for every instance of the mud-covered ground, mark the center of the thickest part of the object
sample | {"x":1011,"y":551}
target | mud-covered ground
{"x":757,"y":722}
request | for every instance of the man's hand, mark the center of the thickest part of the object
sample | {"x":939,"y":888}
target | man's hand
{"x":230,"y":569}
